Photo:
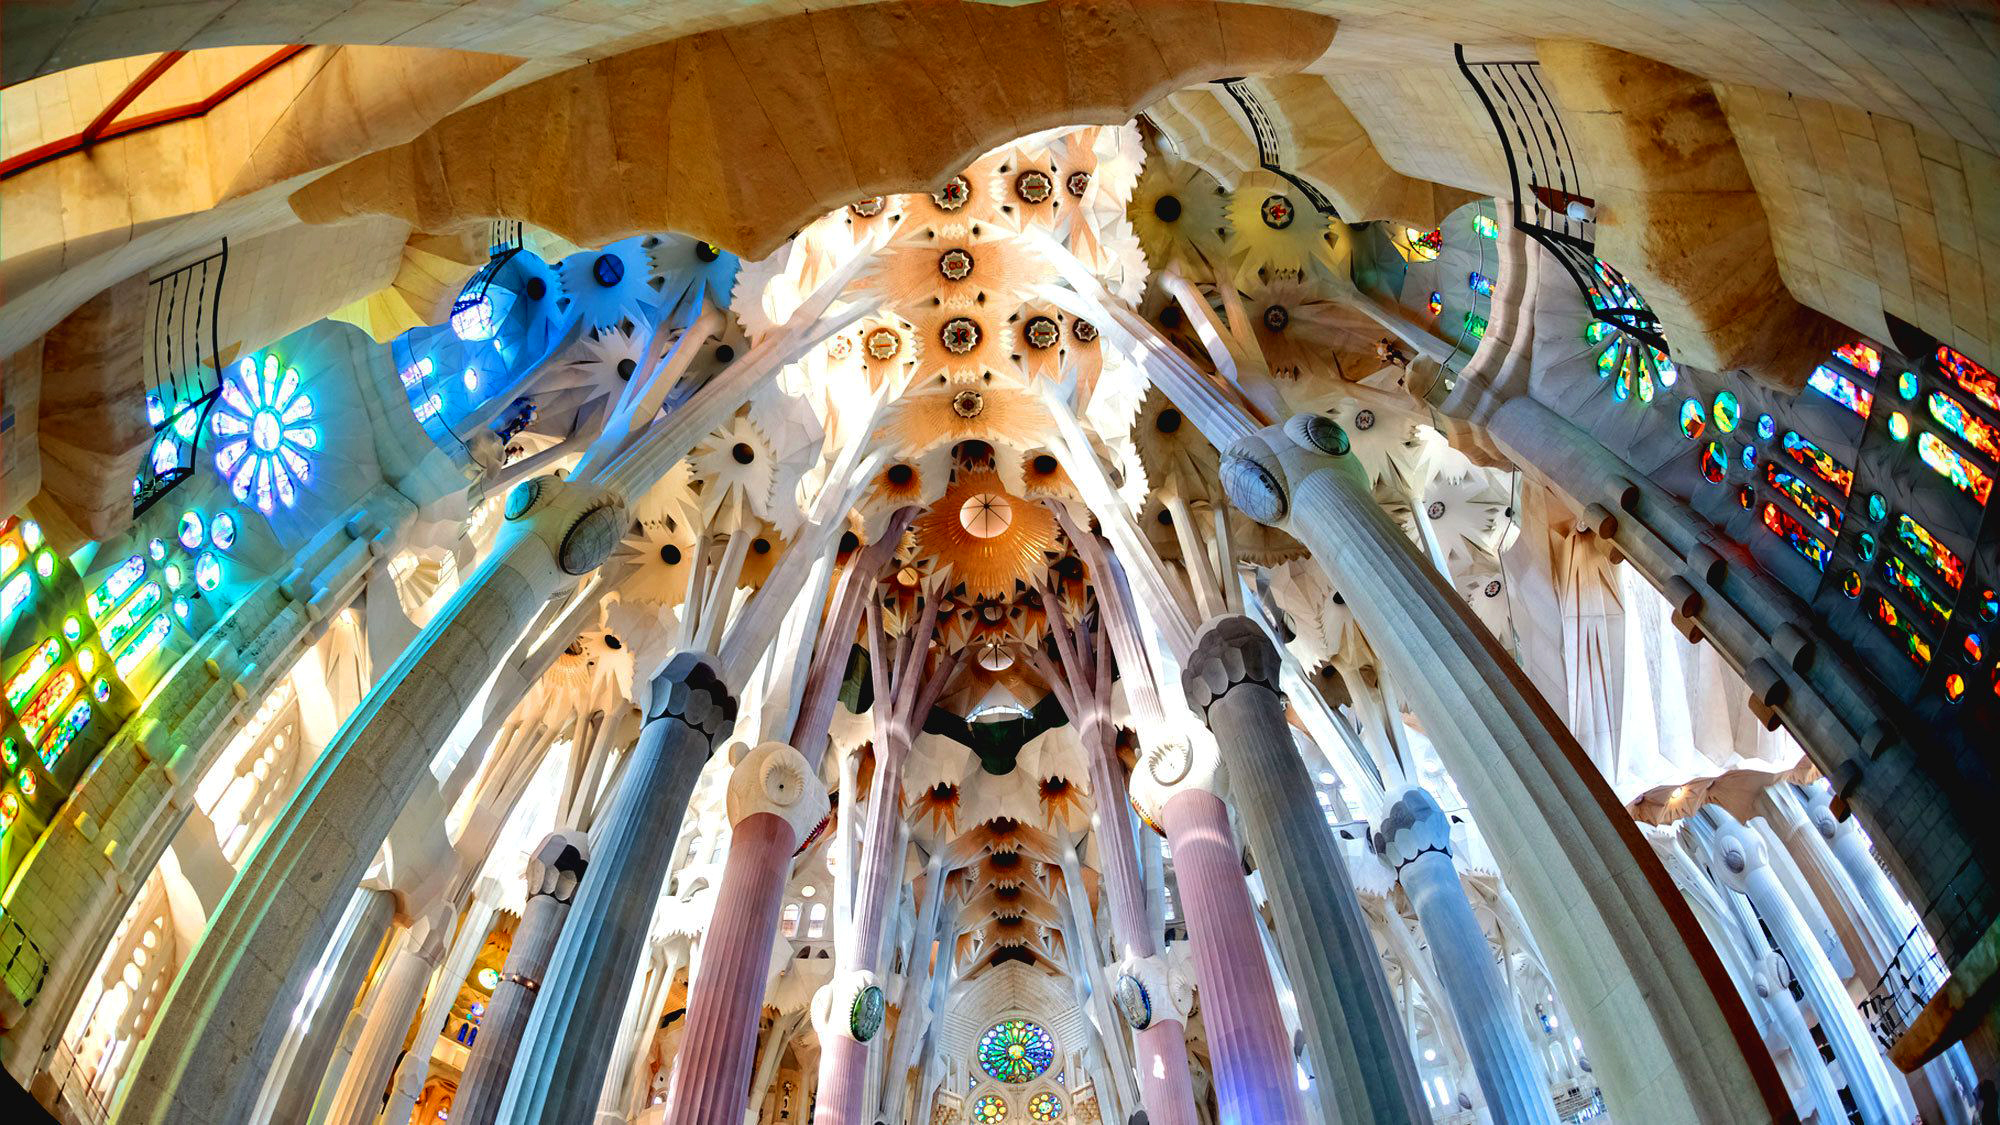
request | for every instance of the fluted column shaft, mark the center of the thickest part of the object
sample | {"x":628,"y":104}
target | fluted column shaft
{"x":1574,"y":857}
{"x":1740,"y":861}
{"x":359,"y":1097}
{"x":554,"y":870}
{"x":1365,"y":1072}
{"x":566,"y":1047}
{"x":1254,"y":1075}
{"x":1415,"y":839}
{"x":408,"y":1085}
{"x":843,"y":1066}
{"x":719,"y":1048}
{"x":228,"y":1013}
{"x":344,"y":976}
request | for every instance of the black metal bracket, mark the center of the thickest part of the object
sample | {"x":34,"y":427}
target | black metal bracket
{"x":181,"y":381}
{"x":504,"y":242}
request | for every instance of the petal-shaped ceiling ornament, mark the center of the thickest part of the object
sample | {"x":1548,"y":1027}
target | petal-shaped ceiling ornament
{"x":1275,"y":230}
{"x":1177,"y":210}
{"x":1305,"y":333}
{"x":988,"y":565}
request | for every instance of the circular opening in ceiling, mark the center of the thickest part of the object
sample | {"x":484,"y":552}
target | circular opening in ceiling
{"x":1045,"y":463}
{"x":706,"y":251}
{"x":986,"y":515}
{"x":535,"y":288}
{"x":626,"y":367}
{"x":724,"y":353}
{"x":901,"y":475}
{"x":743,"y":453}
{"x":1169,"y":421}
{"x":671,"y":555}
{"x":1167,"y":209}
{"x":608,"y":269}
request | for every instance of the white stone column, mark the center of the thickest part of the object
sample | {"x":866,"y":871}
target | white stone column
{"x":362,"y":1090}
{"x":408,"y":1085}
{"x":298,"y":1071}
{"x":1739,"y":860}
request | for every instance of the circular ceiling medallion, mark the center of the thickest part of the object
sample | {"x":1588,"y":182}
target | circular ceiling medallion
{"x":884,"y":343}
{"x":986,"y":515}
{"x":865,"y":1018}
{"x":1042,"y":332}
{"x":1167,"y":209}
{"x":1364,"y":419}
{"x":1493,"y":588}
{"x":995,"y":657}
{"x":968,"y":404}
{"x":959,"y":335}
{"x":955,"y":193}
{"x":1034,"y":186}
{"x":955,"y":264}
{"x":867,"y":208}
{"x":1435,"y":510}
{"x":1077,"y":182}
{"x":840,"y":347}
{"x":1083,"y":330}
{"x":1277,"y":211}
{"x":1276,"y":317}
{"x":1133,"y":1001}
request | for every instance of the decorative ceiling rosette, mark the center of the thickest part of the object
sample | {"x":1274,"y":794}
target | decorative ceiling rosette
{"x":1275,"y":230}
{"x":991,"y":540}
{"x":934,"y":416}
{"x":960,"y":200}
{"x":660,"y":555}
{"x":767,"y":549}
{"x":1175,"y":456}
{"x":604,"y":359}
{"x":961,"y":268}
{"x":1382,"y":435}
{"x":1323,"y":628}
{"x":960,"y":344}
{"x":1098,"y":168}
{"x":684,"y":267}
{"x":873,"y":216}
{"x":1038,"y":338}
{"x":1043,"y":478}
{"x":1109,"y":158}
{"x":618,"y":282}
{"x":1306,"y":334}
{"x":1177,"y":210}
{"x":1028,"y":187}
{"x":752,"y":464}
{"x":889,"y":351}
{"x":915,"y":480}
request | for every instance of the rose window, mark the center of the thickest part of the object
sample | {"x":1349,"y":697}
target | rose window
{"x":989,"y":1108}
{"x":1045,"y":1106}
{"x":267,"y":434}
{"x":1016,"y":1051}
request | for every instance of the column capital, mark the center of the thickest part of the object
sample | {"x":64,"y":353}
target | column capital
{"x":1229,"y":650}
{"x":1261,"y":472}
{"x":1734,"y":853}
{"x":690,"y":689}
{"x":1413,"y":825}
{"x":579,"y":522}
{"x":850,"y":1006}
{"x":557,"y":864}
{"x":1818,"y":801}
{"x":1172,"y":763}
{"x":774,"y":778}
{"x":1146,"y":990}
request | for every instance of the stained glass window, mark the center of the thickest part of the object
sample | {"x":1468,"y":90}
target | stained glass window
{"x":1045,"y":1107}
{"x":1782,"y":525}
{"x":1906,"y":385}
{"x":1972,"y":378}
{"x":1693,"y":419}
{"x":1953,"y":417}
{"x":1921,"y":543}
{"x":1842,"y":390}
{"x":1479,"y":283}
{"x":1016,"y":1051}
{"x":266,"y":433}
{"x":1799,"y":492}
{"x":1486,"y":227}
{"x":1727,"y":412}
{"x":989,"y":1108}
{"x":1714,"y":463}
{"x":1862,"y":355}
{"x":1913,"y":644}
{"x":1900,"y":575}
{"x":1767,"y":427}
{"x":1820,"y":462}
{"x":1970,"y":478}
{"x":1899,"y":425}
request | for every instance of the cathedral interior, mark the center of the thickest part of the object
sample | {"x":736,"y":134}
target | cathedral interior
{"x":730,"y":562}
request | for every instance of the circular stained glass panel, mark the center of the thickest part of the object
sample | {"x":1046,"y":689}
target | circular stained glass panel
{"x":1864,"y":545}
{"x":1727,"y":412}
{"x":1899,"y":426}
{"x":1767,"y":427}
{"x":1878,"y":508}
{"x":1016,"y":1051}
{"x":1045,"y":1107}
{"x":1850,"y":584}
{"x":1906,"y":385}
{"x":989,"y":1108}
{"x":1693,"y":419}
{"x":1714,"y":463}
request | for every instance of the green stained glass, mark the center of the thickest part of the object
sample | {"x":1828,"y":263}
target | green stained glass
{"x":989,"y":1108}
{"x":1016,"y":1051}
{"x":1727,"y":412}
{"x":1045,"y":1106}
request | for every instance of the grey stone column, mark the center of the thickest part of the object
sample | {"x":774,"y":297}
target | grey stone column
{"x":1365,"y":1071}
{"x":1585,"y":878}
{"x":345,"y":971}
{"x":554,"y":869}
{"x":230,"y":1009}
{"x":1414,"y":840}
{"x":567,"y":1045}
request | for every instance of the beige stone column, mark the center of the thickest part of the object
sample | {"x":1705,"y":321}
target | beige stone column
{"x":363,"y":1088}
{"x":1669,"y":1037}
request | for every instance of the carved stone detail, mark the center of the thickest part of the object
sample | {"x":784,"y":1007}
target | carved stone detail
{"x":1229,"y":650}
{"x":689,"y":689}
{"x":557,"y":865}
{"x":1413,"y":825}
{"x":774,"y":778}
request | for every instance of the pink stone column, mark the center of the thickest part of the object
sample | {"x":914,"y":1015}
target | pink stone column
{"x":720,"y":1044}
{"x":843,"y":1067}
{"x":1254,"y":1075}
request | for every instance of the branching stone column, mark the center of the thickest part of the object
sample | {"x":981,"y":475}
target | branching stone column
{"x":554,"y":870}
{"x":408,"y":1085}
{"x":344,"y":972}
{"x":774,"y":800}
{"x":1364,"y":1066}
{"x":1177,"y":785}
{"x":1739,"y":861}
{"x":1585,"y":878}
{"x":1414,"y":840}
{"x":567,"y":1045}
{"x":221,"y":1026}
{"x":360,"y":1094}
